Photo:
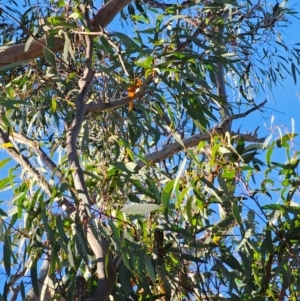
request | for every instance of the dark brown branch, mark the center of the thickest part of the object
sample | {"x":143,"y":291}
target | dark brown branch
{"x":101,"y":106}
{"x":106,"y":14}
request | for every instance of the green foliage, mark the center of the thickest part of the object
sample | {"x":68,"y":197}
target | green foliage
{"x":187,"y":226}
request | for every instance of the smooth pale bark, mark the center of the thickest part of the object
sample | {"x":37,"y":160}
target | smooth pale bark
{"x":31,"y":295}
{"x":105,"y":269}
{"x":15,"y":53}
{"x":98,"y":244}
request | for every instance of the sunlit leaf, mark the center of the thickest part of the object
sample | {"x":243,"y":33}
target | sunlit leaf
{"x":140,"y":208}
{"x":166,"y":194}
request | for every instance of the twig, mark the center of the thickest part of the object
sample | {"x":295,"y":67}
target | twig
{"x":220,"y":81}
{"x":164,"y":6}
{"x":117,"y":49}
{"x":110,"y":42}
{"x":241,"y":115}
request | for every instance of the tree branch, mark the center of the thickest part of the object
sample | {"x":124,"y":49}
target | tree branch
{"x":106,"y":14}
{"x":105,"y":270}
{"x":74,"y":129}
{"x":98,"y":243}
{"x":15,"y":292}
{"x":24,"y":162}
{"x":98,"y":107}
{"x":35,"y":175}
{"x":220,"y":80}
{"x":173,"y":148}
{"x":16,"y":53}
{"x":31,"y":295}
{"x":241,"y":115}
{"x":20,"y":138}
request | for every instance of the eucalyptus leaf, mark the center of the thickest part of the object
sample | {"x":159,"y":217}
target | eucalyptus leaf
{"x":140,"y":208}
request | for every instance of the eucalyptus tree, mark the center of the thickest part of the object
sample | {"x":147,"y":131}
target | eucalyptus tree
{"x":130,"y":180}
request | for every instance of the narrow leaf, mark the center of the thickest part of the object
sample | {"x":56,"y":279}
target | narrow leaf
{"x":165,"y":196}
{"x":150,"y":269}
{"x":30,"y":39}
{"x":34,"y":277}
{"x":6,"y":254}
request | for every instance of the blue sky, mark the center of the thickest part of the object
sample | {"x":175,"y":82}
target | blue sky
{"x":284,"y":101}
